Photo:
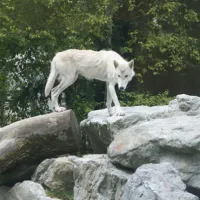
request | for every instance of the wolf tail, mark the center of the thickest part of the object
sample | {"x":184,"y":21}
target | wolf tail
{"x":51,"y":80}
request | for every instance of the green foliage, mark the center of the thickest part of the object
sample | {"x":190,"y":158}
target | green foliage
{"x":3,"y":92}
{"x":161,"y":36}
{"x":147,"y":99}
{"x":31,"y":32}
{"x":81,"y":97}
{"x":63,"y":195}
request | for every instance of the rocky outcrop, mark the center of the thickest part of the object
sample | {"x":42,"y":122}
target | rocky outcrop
{"x":25,"y":143}
{"x":27,"y":190}
{"x":174,"y":139}
{"x":91,"y":176}
{"x":95,"y":177}
{"x":168,"y":137}
{"x":152,"y":135}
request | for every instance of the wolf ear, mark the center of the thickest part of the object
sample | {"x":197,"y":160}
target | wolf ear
{"x":131,"y":64}
{"x":116,"y":64}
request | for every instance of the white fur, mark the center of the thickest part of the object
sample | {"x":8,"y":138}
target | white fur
{"x":106,"y":66}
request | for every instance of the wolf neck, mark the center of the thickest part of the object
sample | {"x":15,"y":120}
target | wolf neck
{"x":115,"y":55}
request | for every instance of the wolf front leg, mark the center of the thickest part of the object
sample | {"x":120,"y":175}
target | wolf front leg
{"x":109,"y":100}
{"x":118,"y":110}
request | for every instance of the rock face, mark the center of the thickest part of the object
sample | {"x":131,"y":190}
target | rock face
{"x":152,"y":135}
{"x":27,"y":142}
{"x":27,"y":190}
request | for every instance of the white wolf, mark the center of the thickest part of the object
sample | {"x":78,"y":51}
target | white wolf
{"x":103,"y":65}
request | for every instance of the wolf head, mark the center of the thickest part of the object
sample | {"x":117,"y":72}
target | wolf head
{"x":124,"y":72}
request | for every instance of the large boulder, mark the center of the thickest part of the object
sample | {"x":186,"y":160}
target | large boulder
{"x":92,"y":176}
{"x":25,"y":143}
{"x":97,"y":178}
{"x":56,"y":174}
{"x":27,"y":190}
{"x":151,"y":135}
{"x":156,"y":181}
{"x":174,"y":139}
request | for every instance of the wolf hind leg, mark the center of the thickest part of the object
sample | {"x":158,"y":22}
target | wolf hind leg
{"x":55,"y":93}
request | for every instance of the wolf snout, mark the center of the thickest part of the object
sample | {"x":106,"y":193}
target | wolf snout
{"x":122,"y":88}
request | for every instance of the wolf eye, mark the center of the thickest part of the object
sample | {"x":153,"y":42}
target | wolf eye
{"x":118,"y":75}
{"x":126,"y":76}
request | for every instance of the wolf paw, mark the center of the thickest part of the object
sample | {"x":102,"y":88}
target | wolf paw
{"x":110,"y":112}
{"x":60,"y":109}
{"x":119,"y":113}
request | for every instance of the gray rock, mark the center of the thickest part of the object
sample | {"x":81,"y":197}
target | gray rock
{"x":3,"y":191}
{"x":27,"y":190}
{"x":189,"y":104}
{"x":41,"y":172}
{"x":26,"y":142}
{"x":156,"y":181}
{"x":55,"y":174}
{"x":175,"y":140}
{"x":96,"y":178}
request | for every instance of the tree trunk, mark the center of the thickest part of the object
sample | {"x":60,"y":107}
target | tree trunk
{"x":31,"y":140}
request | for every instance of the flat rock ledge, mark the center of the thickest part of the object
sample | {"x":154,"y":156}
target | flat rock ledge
{"x":100,"y":128}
